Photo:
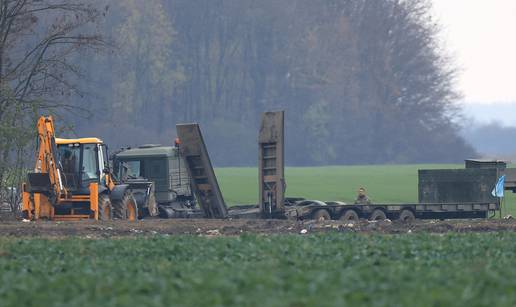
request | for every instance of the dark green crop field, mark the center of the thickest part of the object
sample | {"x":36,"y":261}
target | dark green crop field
{"x":337,"y":269}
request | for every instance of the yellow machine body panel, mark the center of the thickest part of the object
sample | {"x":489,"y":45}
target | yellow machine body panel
{"x":92,"y":140}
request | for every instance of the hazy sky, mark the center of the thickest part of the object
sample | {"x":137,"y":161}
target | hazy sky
{"x":481,"y":35}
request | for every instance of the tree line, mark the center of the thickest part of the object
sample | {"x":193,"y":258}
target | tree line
{"x":361,"y":81}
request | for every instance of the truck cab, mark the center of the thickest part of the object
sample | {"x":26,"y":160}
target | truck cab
{"x":164,"y":167}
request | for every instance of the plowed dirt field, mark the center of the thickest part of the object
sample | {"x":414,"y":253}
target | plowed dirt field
{"x":204,"y":227}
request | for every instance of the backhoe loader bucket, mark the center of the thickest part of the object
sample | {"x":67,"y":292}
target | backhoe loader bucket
{"x":39,"y":183}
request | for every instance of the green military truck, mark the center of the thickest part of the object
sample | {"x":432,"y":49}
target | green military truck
{"x":163,"y":166}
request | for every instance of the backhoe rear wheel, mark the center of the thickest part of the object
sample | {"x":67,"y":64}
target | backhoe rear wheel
{"x":105,"y":210}
{"x":126,"y":209}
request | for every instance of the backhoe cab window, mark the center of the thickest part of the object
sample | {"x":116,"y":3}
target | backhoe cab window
{"x":70,"y":162}
{"x":79,"y":173}
{"x":89,"y":163}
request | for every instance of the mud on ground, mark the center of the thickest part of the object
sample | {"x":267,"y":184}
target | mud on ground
{"x":10,"y":227}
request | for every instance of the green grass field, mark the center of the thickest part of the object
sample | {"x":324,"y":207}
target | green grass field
{"x":384,"y":183}
{"x":335,"y":269}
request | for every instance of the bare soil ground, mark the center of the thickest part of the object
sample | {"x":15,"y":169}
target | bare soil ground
{"x":93,"y":229}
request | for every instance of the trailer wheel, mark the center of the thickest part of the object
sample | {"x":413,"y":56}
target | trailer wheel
{"x":349,"y":216}
{"x":377,"y":215}
{"x":407,"y":216}
{"x":105,"y":210}
{"x":321,"y":215}
{"x":126,"y":209}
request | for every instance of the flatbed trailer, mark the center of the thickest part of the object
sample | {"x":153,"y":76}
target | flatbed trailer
{"x":406,"y":212}
{"x":443,"y":194}
{"x":318,"y":210}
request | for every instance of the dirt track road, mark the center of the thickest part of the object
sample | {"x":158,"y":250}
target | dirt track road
{"x":93,"y":229}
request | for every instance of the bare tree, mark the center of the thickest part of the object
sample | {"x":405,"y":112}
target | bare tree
{"x":37,"y":40}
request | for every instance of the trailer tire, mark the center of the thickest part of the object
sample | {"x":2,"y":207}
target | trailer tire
{"x":407,"y":216}
{"x":321,"y":215}
{"x":126,"y":208}
{"x":378,"y":215}
{"x":349,"y":216}
{"x":105,"y":208}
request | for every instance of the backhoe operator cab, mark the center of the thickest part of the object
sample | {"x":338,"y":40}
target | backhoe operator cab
{"x":82,"y":161}
{"x":72,"y":181}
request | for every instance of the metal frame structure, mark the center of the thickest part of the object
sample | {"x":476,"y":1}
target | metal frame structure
{"x":204,"y":182}
{"x":271,"y":164}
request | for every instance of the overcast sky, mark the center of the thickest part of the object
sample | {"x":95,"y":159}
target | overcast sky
{"x":481,"y":35}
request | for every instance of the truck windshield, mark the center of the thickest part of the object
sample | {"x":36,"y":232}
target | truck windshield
{"x":130,"y":169}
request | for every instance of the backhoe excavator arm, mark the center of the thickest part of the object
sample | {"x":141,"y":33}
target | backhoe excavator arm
{"x":47,"y":153}
{"x":45,"y":183}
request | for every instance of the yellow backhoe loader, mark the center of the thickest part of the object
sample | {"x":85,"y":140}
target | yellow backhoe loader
{"x":72,"y":181}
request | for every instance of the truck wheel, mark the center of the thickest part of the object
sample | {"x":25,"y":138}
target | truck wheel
{"x":407,"y":216}
{"x":349,"y":216}
{"x":166,"y":213}
{"x":105,"y":210}
{"x":126,"y":209}
{"x":321,"y":215}
{"x":378,"y":215}
{"x":152,"y":205}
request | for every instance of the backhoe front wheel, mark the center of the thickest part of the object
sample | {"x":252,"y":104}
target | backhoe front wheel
{"x":105,"y":210}
{"x":126,"y":208}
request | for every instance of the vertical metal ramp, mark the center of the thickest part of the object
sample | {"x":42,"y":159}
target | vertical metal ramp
{"x":271,"y":164}
{"x":204,"y":182}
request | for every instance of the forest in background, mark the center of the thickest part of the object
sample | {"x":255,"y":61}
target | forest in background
{"x":361,"y":81}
